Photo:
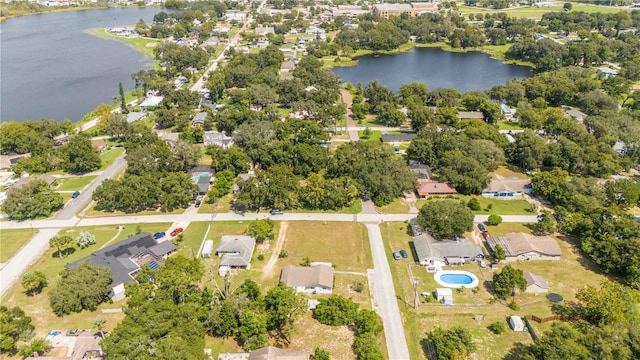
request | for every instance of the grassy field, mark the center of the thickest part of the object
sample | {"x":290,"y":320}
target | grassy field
{"x":537,"y":12}
{"x":12,"y":240}
{"x":74,"y":183}
{"x":509,"y":125}
{"x":222,"y":205}
{"x":109,"y":156}
{"x":37,"y":307}
{"x":193,"y":237}
{"x":142,"y":44}
{"x":467,"y":304}
{"x":92,"y":212}
{"x":398,"y":206}
{"x":507,"y":171}
{"x":374,"y":135}
{"x":354,"y":208}
{"x":488,"y":205}
{"x":345,"y":245}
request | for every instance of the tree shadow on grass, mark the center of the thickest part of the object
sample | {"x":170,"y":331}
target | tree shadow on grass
{"x":427,"y":349}
{"x":65,"y":252}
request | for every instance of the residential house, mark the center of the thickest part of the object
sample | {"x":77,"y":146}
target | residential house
{"x":151,"y":101}
{"x":432,"y":252}
{"x":264,"y":30}
{"x":6,"y":161}
{"x":237,"y":15}
{"x":428,"y":188}
{"x":126,"y":257}
{"x":507,"y":187}
{"x":349,"y":11}
{"x":236,"y":252}
{"x":445,"y":296}
{"x":314,"y":279}
{"x":521,"y":246}
{"x":607,"y":71}
{"x":507,"y":112}
{"x":100,"y":146}
{"x":217,"y":138}
{"x":243,"y":176}
{"x":536,"y":284}
{"x":50,"y":180}
{"x":287,"y":66}
{"x":274,"y":353}
{"x":467,"y":115}
{"x":620,"y":147}
{"x":212,"y":41}
{"x":135,"y":116}
{"x":576,"y":114}
{"x":199,"y":118}
{"x":201,"y":176}
{"x":171,"y":137}
{"x":397,"y":139}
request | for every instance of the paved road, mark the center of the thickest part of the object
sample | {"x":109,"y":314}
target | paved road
{"x":75,"y":205}
{"x":384,"y":297}
{"x":26,"y":256}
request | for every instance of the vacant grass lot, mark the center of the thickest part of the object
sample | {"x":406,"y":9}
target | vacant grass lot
{"x":92,"y":212}
{"x":345,"y":245}
{"x":12,"y":240}
{"x":537,"y":12}
{"x":37,"y":307}
{"x":398,"y":206}
{"x":222,"y":205}
{"x":488,"y":205}
{"x":467,"y":304}
{"x":74,"y":183}
{"x":109,"y":156}
{"x":509,"y":125}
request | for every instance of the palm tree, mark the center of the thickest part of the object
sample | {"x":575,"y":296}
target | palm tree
{"x":99,"y":324}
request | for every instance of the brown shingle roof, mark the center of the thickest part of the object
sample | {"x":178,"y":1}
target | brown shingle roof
{"x":294,"y":276}
{"x":502,"y":184}
{"x":521,"y":243}
{"x":274,"y":353}
{"x":435,"y":188}
{"x":533,"y":279}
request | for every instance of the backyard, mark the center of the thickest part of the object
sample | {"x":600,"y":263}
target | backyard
{"x":468,"y":304}
{"x":37,"y":307}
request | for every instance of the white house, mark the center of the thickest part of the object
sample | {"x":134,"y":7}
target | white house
{"x":236,"y":252}
{"x":315,"y":279}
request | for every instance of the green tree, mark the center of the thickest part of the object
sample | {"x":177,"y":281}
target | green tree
{"x":494,"y":220}
{"x":37,"y":345}
{"x":497,"y":327}
{"x":336,"y":311}
{"x":546,"y":223}
{"x":123,"y":103}
{"x":77,"y":156}
{"x":507,"y":281}
{"x":445,"y":218}
{"x":260,"y":229}
{"x":283,"y":307}
{"x":253,"y":330}
{"x":33,"y":282}
{"x":367,"y":346}
{"x":99,"y":324}
{"x":367,"y":321}
{"x":82,"y":287}
{"x":446,"y":342}
{"x":499,"y":253}
{"x":473,"y":204}
{"x":62,"y":243}
{"x":32,"y":200}
{"x":321,"y":354}
{"x":14,"y":325}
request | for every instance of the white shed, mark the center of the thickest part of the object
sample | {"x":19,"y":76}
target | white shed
{"x":516,"y":323}
{"x":207,"y":248}
{"x":445,"y":295}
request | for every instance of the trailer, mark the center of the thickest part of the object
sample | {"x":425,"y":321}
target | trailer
{"x":207,"y":249}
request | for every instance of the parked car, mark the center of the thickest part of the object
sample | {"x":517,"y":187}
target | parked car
{"x":176,"y":231}
{"x":199,"y":200}
{"x":396,"y":255}
{"x":404,"y":254}
{"x":75,"y":194}
{"x":482,"y":228}
{"x":276,"y":212}
{"x":486,"y":235}
{"x":159,"y":235}
{"x":482,"y":263}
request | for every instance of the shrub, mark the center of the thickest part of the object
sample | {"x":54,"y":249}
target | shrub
{"x":357,"y":287}
{"x":497,"y":327}
{"x":336,"y":311}
{"x":260,"y":257}
{"x":473,"y":204}
{"x":513,"y":306}
{"x":85,"y":239}
{"x":283,"y":254}
{"x":494,"y":220}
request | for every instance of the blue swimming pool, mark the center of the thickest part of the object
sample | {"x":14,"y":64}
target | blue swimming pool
{"x":456,"y":279}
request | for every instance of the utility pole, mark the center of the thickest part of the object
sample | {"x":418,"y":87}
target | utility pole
{"x":415,"y":293}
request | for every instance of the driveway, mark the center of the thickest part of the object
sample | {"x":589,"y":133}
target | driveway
{"x":384,"y":298}
{"x":75,"y":205}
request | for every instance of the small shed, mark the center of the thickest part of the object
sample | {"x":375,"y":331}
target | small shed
{"x":516,"y":323}
{"x":445,"y":296}
{"x":207,"y":249}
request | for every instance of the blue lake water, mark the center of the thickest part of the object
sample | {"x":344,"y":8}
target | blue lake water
{"x":435,"y":67}
{"x":51,"y":68}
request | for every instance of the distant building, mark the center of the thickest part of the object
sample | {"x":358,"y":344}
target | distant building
{"x":127,"y":257}
{"x":212,"y":41}
{"x":467,"y":115}
{"x":504,"y":187}
{"x":607,"y":71}
{"x":315,"y":279}
{"x":396,"y":139}
{"x":6,"y":161}
{"x":217,"y":138}
{"x":199,"y":119}
{"x":576,"y":114}
{"x":151,"y":101}
{"x":50,"y":180}
{"x":412,"y":9}
{"x":100,"y":146}
{"x":135,"y":116}
{"x":422,"y":171}
{"x":264,"y":30}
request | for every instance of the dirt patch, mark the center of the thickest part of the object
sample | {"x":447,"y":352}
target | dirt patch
{"x":267,"y":271}
{"x":58,"y":352}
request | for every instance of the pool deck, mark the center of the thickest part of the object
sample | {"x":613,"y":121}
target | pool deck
{"x":440,"y":272}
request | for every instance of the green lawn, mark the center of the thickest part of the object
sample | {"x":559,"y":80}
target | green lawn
{"x":509,"y":125}
{"x":375,"y":135}
{"x":537,"y":12}
{"x":398,"y":206}
{"x":354,"y":208}
{"x":74,"y":183}
{"x":488,"y":205}
{"x":38,"y":308}
{"x":193,"y":237}
{"x":142,"y":44}
{"x":12,"y":240}
{"x":109,"y":156}
{"x":222,"y":205}
{"x":92,"y":212}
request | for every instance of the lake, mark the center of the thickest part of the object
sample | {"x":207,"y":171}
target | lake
{"x":435,"y":67}
{"x":50,"y":68}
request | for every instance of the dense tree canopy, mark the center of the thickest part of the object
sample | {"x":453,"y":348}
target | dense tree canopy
{"x":445,"y":218}
{"x":32,"y":200}
{"x":82,"y":287}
